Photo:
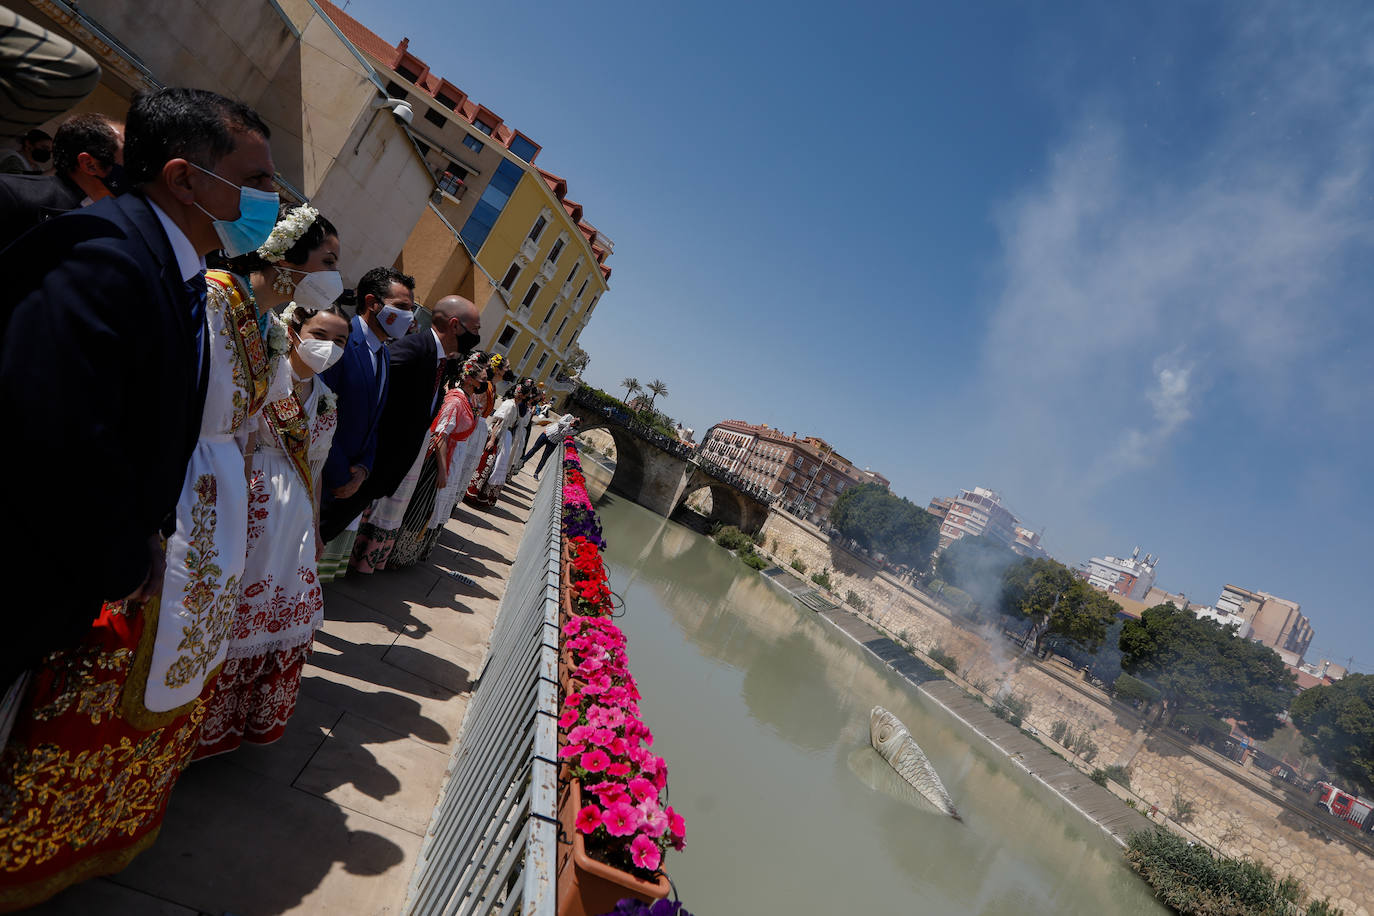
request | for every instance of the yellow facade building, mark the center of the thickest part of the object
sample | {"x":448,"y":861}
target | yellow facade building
{"x":499,"y":230}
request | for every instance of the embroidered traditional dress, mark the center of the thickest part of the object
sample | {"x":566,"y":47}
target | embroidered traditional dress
{"x":519,"y":437}
{"x":452,"y":425}
{"x":458,"y":430}
{"x":491,"y":469}
{"x":106,"y":728}
{"x":280,"y":604}
{"x":382,"y":522}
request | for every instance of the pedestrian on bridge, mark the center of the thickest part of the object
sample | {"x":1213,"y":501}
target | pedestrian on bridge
{"x":550,"y":439}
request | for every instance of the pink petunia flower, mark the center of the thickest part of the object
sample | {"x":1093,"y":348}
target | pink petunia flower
{"x":621,"y":819}
{"x":619,"y":768}
{"x":588,"y":819}
{"x":571,"y":750}
{"x":676,"y":825}
{"x":655,"y":819}
{"x":645,"y":853}
{"x":581,"y":734}
{"x":594,"y":761}
{"x":569,"y":718}
{"x":642,"y":788}
{"x":601,"y":737}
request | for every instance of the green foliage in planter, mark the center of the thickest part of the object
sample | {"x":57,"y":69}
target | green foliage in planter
{"x":822,"y":579}
{"x":1196,"y":882}
{"x":942,"y":658}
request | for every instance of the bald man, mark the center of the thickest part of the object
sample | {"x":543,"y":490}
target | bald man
{"x":417,"y":365}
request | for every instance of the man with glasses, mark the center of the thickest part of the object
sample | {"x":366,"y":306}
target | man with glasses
{"x":88,"y":153}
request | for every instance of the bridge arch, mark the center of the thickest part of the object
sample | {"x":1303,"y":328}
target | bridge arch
{"x":658,"y":471}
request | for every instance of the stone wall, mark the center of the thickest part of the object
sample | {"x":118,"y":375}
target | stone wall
{"x":1231,"y":816}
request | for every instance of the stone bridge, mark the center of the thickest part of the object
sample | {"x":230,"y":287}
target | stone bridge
{"x":659,"y":472}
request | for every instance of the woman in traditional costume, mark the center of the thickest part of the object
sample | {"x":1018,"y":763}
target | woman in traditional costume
{"x":450,"y":438}
{"x":106,"y":728}
{"x":486,"y":485}
{"x":280,"y":604}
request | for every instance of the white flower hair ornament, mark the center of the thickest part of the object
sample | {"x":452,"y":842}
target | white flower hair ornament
{"x":287,"y":232}
{"x":277,"y":342}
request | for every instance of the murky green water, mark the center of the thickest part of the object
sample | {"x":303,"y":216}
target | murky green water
{"x":761,"y":710}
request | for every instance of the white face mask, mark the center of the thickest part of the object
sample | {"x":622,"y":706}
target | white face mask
{"x":319,"y":355}
{"x":395,"y":320}
{"x":317,"y":290}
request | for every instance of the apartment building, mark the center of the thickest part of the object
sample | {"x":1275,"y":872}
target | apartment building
{"x":1130,"y":576}
{"x":1275,"y":622}
{"x":978,"y":512}
{"x":498,"y":229}
{"x":805,"y":473}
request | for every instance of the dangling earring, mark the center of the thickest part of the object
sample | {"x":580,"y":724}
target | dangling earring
{"x":283,"y":282}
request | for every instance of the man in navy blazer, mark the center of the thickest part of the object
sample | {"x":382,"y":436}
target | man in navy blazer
{"x":103,"y":365}
{"x":362,"y":381}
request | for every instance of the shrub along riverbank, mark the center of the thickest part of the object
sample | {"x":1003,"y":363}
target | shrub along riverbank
{"x":1195,"y":882}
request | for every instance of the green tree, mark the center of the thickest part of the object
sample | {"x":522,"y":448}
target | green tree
{"x":1201,"y":667}
{"x":631,"y":386}
{"x":882,"y":522}
{"x":1057,"y":603}
{"x":975,"y":564}
{"x":577,"y":360}
{"x":657,"y":389}
{"x":1338,"y":722}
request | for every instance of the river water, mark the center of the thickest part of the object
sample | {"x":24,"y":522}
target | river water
{"x":761,"y":710}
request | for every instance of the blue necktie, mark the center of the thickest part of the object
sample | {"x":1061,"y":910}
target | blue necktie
{"x":195,"y":293}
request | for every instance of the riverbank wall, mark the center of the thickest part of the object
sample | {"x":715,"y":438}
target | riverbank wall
{"x":1235,"y":811}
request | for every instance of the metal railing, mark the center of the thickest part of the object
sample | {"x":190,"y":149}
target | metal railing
{"x":491,"y":844}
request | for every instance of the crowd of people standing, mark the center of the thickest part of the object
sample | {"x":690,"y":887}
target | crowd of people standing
{"x":180,"y":329}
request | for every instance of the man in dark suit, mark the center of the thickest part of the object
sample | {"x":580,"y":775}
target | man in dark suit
{"x":103,"y":365}
{"x":417,"y":364}
{"x":88,"y":153}
{"x":362,"y":379}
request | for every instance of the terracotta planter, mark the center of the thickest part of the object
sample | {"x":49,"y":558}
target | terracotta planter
{"x":587,"y":887}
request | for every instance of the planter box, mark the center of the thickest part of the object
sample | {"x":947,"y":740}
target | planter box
{"x":587,"y":887}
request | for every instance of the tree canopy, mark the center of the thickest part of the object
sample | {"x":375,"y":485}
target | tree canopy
{"x":885,"y":523}
{"x":975,"y":564}
{"x":1202,"y":667}
{"x":1057,"y":603}
{"x":1338,"y":722}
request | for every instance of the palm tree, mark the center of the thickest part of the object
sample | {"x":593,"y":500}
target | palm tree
{"x":631,"y":385}
{"x":657,"y":388}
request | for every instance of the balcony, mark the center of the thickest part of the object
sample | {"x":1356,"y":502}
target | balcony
{"x":530,"y":249}
{"x":451,"y":186}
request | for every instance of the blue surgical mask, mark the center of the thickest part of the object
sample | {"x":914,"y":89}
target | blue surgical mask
{"x":257,"y":218}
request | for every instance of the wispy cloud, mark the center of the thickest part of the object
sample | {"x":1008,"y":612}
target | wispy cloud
{"x":1248,"y":255}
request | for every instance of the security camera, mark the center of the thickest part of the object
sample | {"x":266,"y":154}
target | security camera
{"x":400,"y":109}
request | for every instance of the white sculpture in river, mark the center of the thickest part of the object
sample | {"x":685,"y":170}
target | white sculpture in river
{"x":892,"y":740}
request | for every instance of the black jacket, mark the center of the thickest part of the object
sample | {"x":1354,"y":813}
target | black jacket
{"x":408,"y":412}
{"x":27,"y":200}
{"x":99,"y":385}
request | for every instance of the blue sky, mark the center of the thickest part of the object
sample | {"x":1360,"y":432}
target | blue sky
{"x":1114,"y":263}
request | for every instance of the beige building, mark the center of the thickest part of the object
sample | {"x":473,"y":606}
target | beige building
{"x":497,"y":229}
{"x":357,"y":163}
{"x":1276,"y":622}
{"x":805,"y":473}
